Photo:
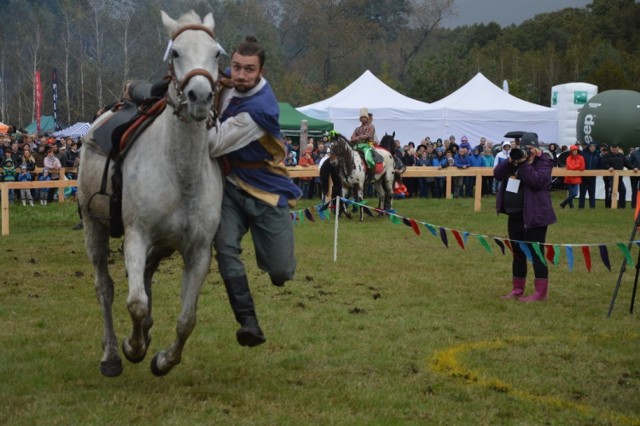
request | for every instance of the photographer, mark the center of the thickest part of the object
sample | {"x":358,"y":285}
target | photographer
{"x":524,"y":196}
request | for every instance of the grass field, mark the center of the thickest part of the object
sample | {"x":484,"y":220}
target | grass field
{"x":400,"y":330}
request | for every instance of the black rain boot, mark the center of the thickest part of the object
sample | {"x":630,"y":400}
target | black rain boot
{"x":249,"y":333}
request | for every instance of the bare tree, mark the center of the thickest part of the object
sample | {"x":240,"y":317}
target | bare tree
{"x":424,"y":17}
{"x":67,"y":18}
{"x":3,"y":92}
{"x":97,"y":9}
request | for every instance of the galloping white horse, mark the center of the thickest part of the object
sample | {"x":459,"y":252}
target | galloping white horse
{"x":352,"y":171}
{"x":171,"y":198}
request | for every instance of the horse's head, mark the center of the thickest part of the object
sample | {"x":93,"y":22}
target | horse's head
{"x":388,"y":142}
{"x":340,"y":150}
{"x":193,"y":66}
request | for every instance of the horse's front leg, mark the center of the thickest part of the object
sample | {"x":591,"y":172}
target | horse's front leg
{"x":343,"y":208}
{"x":135,"y":251}
{"x":359,"y":199}
{"x":97,"y":243}
{"x":196,"y":266}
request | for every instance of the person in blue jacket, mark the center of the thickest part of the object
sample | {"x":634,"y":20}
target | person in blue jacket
{"x":462,"y":160}
{"x":257,"y":193}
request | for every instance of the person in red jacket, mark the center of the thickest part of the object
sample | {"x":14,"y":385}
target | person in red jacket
{"x":575,"y":161}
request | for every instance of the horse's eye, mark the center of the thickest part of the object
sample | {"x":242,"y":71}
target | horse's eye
{"x":218,"y":54}
{"x":175,"y":54}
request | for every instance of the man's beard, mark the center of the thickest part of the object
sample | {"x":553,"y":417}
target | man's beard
{"x":247,"y":85}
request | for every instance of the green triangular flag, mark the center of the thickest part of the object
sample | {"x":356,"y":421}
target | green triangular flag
{"x":556,"y":257}
{"x":536,"y":248}
{"x":395,"y":219}
{"x":484,"y":243}
{"x":623,"y":248}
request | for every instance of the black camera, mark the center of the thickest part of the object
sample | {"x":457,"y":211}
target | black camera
{"x":518,"y":154}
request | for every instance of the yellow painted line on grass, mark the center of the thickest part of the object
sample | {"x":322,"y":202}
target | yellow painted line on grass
{"x":447,"y":362}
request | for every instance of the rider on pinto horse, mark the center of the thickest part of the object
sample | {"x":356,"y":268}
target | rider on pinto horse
{"x":363,"y":139}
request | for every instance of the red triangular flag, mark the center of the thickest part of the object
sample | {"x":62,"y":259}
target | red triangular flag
{"x":415,"y":227}
{"x":587,"y":257}
{"x":458,"y":238}
{"x":551,"y":253}
{"x":508,"y":244}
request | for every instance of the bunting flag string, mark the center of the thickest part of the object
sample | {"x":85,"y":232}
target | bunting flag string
{"x":547,"y":253}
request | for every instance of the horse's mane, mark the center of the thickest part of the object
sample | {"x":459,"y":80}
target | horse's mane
{"x":191,"y":17}
{"x":342,"y":150}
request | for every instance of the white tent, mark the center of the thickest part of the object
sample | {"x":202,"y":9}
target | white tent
{"x":391,"y":110}
{"x":480,"y":108}
{"x":76,"y":131}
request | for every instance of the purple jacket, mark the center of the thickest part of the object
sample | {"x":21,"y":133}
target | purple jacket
{"x":536,"y":178}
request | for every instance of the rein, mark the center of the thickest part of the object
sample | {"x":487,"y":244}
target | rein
{"x":179,"y":85}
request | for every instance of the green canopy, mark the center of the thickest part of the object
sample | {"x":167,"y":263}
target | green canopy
{"x":47,"y":125}
{"x":290,"y":119}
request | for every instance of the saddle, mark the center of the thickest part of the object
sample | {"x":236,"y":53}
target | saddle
{"x":141,"y":101}
{"x":377,"y":159}
{"x":145,"y":101}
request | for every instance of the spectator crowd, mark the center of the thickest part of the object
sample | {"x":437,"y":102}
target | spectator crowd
{"x":25,"y":158}
{"x":22,"y":154}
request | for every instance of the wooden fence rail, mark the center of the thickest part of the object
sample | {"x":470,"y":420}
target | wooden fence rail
{"x":312,"y":171}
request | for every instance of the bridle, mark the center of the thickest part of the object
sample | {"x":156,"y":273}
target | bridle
{"x":179,"y":85}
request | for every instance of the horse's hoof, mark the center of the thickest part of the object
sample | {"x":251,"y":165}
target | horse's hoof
{"x":111,"y":368}
{"x":134,"y":359}
{"x":154,"y":367}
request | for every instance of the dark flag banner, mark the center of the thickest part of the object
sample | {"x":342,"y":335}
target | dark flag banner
{"x":54,"y":91}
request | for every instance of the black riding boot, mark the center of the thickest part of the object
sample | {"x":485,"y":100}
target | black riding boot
{"x":249,"y":333}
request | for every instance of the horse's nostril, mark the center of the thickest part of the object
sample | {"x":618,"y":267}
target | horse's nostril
{"x":192,"y":96}
{"x":210,"y":97}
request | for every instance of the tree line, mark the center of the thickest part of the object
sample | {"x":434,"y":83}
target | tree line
{"x":314,"y":48}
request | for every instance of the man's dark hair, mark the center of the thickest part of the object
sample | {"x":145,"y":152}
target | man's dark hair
{"x":251,"y":47}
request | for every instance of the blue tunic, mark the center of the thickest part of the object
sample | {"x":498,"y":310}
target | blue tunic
{"x":273,"y":178}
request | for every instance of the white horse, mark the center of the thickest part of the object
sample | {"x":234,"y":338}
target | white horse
{"x":352,"y":172}
{"x":171,"y":198}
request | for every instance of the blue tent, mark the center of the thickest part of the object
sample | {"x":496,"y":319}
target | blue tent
{"x":47,"y":125}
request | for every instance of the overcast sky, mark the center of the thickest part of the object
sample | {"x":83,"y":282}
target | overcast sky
{"x":505,"y":12}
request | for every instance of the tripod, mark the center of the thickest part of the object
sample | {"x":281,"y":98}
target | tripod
{"x":623,"y":268}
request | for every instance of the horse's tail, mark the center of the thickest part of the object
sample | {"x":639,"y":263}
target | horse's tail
{"x":329,"y":170}
{"x":325,"y":172}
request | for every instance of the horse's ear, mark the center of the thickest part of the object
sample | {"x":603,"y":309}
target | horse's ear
{"x":208,"y":21}
{"x":170,"y":24}
{"x":394,"y":134}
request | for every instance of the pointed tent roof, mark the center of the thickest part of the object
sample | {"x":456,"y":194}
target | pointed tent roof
{"x":367,"y":91}
{"x":391,"y":110}
{"x":290,"y":119}
{"x":480,"y":94}
{"x":480,"y":108}
{"x":47,"y":125}
{"x":76,"y":131}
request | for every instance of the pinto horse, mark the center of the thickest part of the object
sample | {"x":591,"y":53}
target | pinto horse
{"x":352,"y":171}
{"x":171,"y":198}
